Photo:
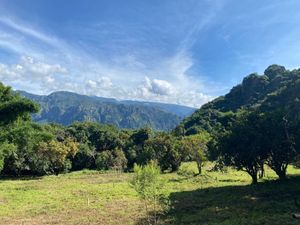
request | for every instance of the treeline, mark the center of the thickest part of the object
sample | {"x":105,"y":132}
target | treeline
{"x":256,"y":124}
{"x":39,"y":149}
{"x":255,"y":139}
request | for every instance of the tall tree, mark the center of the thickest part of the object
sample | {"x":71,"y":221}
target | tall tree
{"x":278,"y":141}
{"x":13,"y":107}
{"x":242,"y":146}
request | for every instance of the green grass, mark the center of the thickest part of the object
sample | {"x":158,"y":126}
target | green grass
{"x":91,"y":197}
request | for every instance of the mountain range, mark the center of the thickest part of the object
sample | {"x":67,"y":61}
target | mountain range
{"x":67,"y":107}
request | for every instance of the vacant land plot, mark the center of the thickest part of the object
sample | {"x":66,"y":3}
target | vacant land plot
{"x":91,"y":197}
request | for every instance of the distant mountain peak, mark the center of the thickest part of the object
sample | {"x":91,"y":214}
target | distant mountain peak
{"x":66,"y":107}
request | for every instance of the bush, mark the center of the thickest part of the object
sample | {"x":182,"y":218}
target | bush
{"x":52,"y":157}
{"x":147,"y":183}
{"x":107,"y":160}
{"x":186,"y":171}
{"x":5,"y":150}
{"x":85,"y":158}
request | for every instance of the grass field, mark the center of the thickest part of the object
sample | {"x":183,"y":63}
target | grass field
{"x":91,"y":197}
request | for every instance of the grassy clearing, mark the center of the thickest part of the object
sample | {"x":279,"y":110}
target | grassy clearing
{"x":229,"y":199}
{"x":91,"y":197}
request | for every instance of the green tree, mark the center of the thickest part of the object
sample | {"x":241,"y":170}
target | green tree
{"x":101,"y":137}
{"x":24,"y":137}
{"x":13,"y":107}
{"x":278,"y":140}
{"x":5,"y":150}
{"x":242,"y":146}
{"x":140,"y":136}
{"x":94,"y":139}
{"x":162,"y":149}
{"x":84,"y":158}
{"x":111,"y":159}
{"x":194,"y":148}
{"x":52,"y":157}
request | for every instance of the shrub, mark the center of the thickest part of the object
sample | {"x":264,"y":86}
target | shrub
{"x":107,"y":160}
{"x":147,"y":183}
{"x":186,"y":171}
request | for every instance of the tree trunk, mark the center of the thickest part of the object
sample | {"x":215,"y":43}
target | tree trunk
{"x":261,"y":172}
{"x":281,"y":173}
{"x":253,"y":175}
{"x":254,"y":179}
{"x":199,"y":165}
{"x":279,"y":169}
{"x":174,"y":168}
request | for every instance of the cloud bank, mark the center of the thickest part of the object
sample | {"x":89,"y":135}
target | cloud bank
{"x":105,"y":59}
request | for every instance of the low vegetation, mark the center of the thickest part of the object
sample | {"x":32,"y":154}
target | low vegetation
{"x":94,"y":197}
{"x":149,"y":185}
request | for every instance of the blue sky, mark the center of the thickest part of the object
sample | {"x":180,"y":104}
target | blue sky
{"x":177,"y":51}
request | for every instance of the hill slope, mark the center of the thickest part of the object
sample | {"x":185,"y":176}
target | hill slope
{"x":67,"y":107}
{"x":277,"y":87}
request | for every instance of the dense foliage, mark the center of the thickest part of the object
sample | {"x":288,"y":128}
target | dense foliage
{"x":256,"y":123}
{"x":13,"y":107}
{"x":276,"y":87}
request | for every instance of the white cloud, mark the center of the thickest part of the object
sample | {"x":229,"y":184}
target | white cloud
{"x":64,"y":66}
{"x":49,"y":80}
{"x":29,"y":71}
{"x":29,"y":66}
{"x":163,"y":91}
{"x":6,"y":73}
{"x":160,"y":87}
{"x":102,"y":86}
{"x":42,"y":78}
{"x":25,"y":29}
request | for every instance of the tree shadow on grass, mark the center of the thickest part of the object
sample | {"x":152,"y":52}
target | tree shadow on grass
{"x":269,"y":203}
{"x":24,"y":177}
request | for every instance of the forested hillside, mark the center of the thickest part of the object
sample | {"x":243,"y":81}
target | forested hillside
{"x":66,"y":107}
{"x":255,"y":124}
{"x":277,"y":87}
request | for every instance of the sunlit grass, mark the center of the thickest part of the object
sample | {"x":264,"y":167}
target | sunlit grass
{"x":92,"y":197}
